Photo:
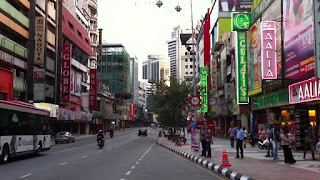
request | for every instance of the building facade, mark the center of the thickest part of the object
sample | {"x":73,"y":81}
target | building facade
{"x":156,"y":68}
{"x":175,"y":51}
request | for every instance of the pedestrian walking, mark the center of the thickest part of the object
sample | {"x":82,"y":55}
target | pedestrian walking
{"x":262,"y":133}
{"x":286,"y":142}
{"x":308,"y":135}
{"x":182,"y":136}
{"x":318,"y":147}
{"x":231,"y":133}
{"x":274,"y":138}
{"x":203,"y":141}
{"x":240,"y":138}
{"x":245,"y":137}
{"x":269,"y":146}
{"x":208,"y":140}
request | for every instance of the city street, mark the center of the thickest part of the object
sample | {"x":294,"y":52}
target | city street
{"x":126,"y":156}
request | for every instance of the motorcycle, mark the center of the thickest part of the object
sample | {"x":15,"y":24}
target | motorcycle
{"x":253,"y":140}
{"x":262,"y":143}
{"x":100,"y":143}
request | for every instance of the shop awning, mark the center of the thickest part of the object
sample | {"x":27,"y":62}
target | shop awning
{"x":72,"y":29}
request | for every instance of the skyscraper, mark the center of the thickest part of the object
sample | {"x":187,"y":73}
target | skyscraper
{"x":156,"y":68}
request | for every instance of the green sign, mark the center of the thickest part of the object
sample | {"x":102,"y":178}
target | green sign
{"x":204,"y":71}
{"x":263,"y":5}
{"x":240,"y":21}
{"x":279,"y":98}
{"x":242,"y":81}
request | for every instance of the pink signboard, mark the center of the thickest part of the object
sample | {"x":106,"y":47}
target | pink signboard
{"x":304,"y":91}
{"x":268,"y":50}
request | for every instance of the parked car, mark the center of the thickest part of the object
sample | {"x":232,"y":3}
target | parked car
{"x":64,"y":137}
{"x":143,"y":132}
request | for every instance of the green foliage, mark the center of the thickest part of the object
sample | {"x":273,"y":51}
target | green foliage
{"x":169,"y":102}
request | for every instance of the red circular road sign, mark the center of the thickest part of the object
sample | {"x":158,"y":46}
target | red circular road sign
{"x":195,"y":100}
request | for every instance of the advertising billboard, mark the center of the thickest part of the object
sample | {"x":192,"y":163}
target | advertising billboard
{"x":304,"y":91}
{"x":254,"y":60}
{"x":235,"y":5}
{"x":204,"y":71}
{"x":268,"y":50}
{"x":66,"y":72}
{"x":298,"y":39}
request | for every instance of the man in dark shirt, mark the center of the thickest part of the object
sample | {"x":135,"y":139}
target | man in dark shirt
{"x":308,"y":134}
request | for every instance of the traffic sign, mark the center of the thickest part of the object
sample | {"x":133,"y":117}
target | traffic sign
{"x":195,"y":100}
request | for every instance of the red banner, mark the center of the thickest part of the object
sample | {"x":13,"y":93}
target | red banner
{"x":6,"y":85}
{"x":93,"y":89}
{"x":75,"y":100}
{"x":66,"y":69}
{"x":209,"y":123}
{"x":206,"y":39}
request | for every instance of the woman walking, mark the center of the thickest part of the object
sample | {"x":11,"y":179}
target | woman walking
{"x":285,"y":142}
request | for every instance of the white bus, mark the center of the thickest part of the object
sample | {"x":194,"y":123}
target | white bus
{"x":23,"y":129}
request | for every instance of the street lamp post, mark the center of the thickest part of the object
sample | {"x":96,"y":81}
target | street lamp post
{"x":193,"y":62}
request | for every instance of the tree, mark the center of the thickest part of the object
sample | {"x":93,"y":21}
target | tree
{"x":169,"y":102}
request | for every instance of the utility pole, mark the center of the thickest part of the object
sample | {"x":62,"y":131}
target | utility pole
{"x":194,"y":63}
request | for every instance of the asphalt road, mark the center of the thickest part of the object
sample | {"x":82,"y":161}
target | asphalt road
{"x":126,"y":156}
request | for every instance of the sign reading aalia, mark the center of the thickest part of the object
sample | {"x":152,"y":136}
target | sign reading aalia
{"x":268,"y":50}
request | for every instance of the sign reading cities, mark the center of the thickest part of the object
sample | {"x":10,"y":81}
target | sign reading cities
{"x":240,"y":21}
{"x":241,"y":57}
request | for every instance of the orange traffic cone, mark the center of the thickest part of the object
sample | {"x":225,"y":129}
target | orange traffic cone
{"x":225,"y":160}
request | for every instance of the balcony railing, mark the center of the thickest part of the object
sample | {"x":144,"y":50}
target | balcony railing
{"x":13,"y":46}
{"x":14,"y":13}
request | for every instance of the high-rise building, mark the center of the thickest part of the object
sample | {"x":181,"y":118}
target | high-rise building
{"x":134,"y":84}
{"x":114,"y":69}
{"x":175,"y":51}
{"x":156,"y":68}
{"x":14,"y":36}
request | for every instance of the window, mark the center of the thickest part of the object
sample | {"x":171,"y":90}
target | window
{"x":190,"y":59}
{"x":191,"y":72}
{"x":79,"y":33}
{"x":186,"y":66}
{"x":186,"y":60}
{"x":187,"y":73}
{"x":190,"y":66}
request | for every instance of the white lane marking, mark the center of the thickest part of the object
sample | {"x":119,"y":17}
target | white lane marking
{"x":128,"y":173}
{"x":99,"y":151}
{"x":24,"y":176}
{"x":64,"y":163}
{"x":132,"y":167}
{"x":122,"y":179}
{"x":144,"y":154}
{"x":140,"y":159}
{"x":66,"y":150}
{"x":84,"y":157}
{"x":109,"y":148}
{"x":137,"y":162}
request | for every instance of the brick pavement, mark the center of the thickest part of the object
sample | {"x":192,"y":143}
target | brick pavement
{"x":255,"y":164}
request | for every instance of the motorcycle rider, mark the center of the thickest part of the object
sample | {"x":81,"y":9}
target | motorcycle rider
{"x":111,"y":132}
{"x":100,"y":136}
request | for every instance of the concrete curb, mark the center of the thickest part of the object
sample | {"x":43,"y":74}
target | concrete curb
{"x":207,"y":164}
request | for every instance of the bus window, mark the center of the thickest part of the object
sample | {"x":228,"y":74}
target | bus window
{"x":3,"y":124}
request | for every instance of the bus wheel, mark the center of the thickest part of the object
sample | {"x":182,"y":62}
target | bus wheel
{"x":5,"y":154}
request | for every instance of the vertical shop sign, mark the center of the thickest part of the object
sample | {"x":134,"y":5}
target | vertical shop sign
{"x":214,"y":74}
{"x":206,"y":38}
{"x":93,"y":89}
{"x":317,"y":34}
{"x":268,"y":50}
{"x":66,"y":69}
{"x":298,"y":25}
{"x":241,"y":59}
{"x":39,"y":41}
{"x":204,"y":71}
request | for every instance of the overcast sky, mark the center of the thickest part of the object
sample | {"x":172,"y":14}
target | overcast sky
{"x":142,"y":27}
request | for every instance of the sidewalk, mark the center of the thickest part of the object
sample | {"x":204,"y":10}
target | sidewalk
{"x":255,"y":164}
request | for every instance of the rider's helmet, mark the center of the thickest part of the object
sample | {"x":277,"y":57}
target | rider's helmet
{"x":100,"y":131}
